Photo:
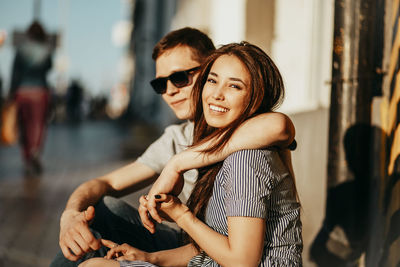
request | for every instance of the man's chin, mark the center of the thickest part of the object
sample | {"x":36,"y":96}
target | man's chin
{"x":182,"y":116}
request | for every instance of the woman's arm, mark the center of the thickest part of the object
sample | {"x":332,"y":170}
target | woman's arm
{"x":174,"y":257}
{"x":242,"y":247}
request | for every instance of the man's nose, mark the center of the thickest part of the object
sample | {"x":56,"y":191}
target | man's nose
{"x":171,"y":88}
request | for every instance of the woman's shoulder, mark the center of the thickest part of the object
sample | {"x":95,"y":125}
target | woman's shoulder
{"x":252,"y":154}
{"x":263,"y":162}
{"x":251,"y":159}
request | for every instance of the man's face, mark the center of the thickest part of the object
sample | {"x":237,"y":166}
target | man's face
{"x":173,"y":60}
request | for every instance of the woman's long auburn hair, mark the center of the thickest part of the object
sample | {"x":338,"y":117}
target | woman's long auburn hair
{"x":266,"y":93}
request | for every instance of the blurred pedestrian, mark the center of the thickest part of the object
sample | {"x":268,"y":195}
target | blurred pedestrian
{"x":30,"y":90}
{"x":74,"y":101}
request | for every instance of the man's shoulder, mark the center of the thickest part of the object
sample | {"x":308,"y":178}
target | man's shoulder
{"x":183,"y":130}
{"x":179,"y":127}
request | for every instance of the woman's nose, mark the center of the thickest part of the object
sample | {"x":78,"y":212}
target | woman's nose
{"x":218,"y":93}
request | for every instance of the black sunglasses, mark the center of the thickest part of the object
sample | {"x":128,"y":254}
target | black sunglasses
{"x":179,"y":79}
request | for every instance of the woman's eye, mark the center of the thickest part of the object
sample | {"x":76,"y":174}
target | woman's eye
{"x":211,"y":80}
{"x":235,"y":86}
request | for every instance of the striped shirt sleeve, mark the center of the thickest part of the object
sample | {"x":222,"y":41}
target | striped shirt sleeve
{"x":248,"y":184}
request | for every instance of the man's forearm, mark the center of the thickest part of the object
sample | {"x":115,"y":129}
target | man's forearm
{"x":120,"y":182}
{"x":87,"y":194}
{"x":269,"y":129}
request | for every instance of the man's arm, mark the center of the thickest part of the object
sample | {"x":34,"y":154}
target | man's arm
{"x":264,"y":130}
{"x":75,"y":235}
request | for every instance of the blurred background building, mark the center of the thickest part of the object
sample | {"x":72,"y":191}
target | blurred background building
{"x":340,"y":63}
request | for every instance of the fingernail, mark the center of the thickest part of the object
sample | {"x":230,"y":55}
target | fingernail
{"x":157,"y":196}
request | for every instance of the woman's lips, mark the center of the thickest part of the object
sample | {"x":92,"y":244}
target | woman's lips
{"x":217,"y":108}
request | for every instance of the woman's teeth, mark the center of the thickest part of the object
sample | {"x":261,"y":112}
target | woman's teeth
{"x":218,"y":109}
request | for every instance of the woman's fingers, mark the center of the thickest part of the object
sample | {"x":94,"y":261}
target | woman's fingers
{"x":115,"y":250}
{"x":108,"y":243}
{"x":111,"y":245}
{"x":161,"y":198}
{"x":123,"y":258}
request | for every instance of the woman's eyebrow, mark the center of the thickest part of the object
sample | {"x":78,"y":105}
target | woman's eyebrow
{"x":236,"y":80}
{"x":230,"y":78}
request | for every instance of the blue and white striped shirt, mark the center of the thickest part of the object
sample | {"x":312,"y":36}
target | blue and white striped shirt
{"x":255,"y":183}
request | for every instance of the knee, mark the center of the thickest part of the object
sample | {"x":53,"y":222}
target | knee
{"x":105,"y":206}
{"x":116,"y":206}
{"x":60,"y":260}
{"x":111,"y":202}
{"x":99,"y":262}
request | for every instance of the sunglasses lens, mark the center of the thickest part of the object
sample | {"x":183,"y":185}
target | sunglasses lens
{"x":159,"y":85}
{"x":179,"y":79}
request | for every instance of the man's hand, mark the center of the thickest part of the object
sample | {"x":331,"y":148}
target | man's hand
{"x":144,"y":214}
{"x":76,"y":239}
{"x":171,"y":182}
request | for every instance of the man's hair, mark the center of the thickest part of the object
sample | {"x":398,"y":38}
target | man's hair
{"x":200,"y":44}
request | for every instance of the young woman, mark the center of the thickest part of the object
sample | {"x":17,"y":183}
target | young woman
{"x":243,"y":211}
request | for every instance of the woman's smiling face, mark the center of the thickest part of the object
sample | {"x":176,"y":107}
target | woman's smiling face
{"x":226,"y":92}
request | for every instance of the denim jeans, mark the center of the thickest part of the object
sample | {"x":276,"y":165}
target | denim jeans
{"x":117,"y":221}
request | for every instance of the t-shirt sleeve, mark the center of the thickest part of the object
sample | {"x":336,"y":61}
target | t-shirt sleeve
{"x":248,"y":184}
{"x":160,"y":152}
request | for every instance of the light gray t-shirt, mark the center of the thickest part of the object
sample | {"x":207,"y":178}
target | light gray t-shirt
{"x":175,"y":139}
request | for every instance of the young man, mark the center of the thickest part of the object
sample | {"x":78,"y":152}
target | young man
{"x":178,"y":57}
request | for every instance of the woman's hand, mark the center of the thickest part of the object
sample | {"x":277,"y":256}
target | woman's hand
{"x":124,"y":252}
{"x":170,"y":207}
{"x":167,"y":207}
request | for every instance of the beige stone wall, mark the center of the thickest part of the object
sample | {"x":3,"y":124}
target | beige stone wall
{"x":260,"y":23}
